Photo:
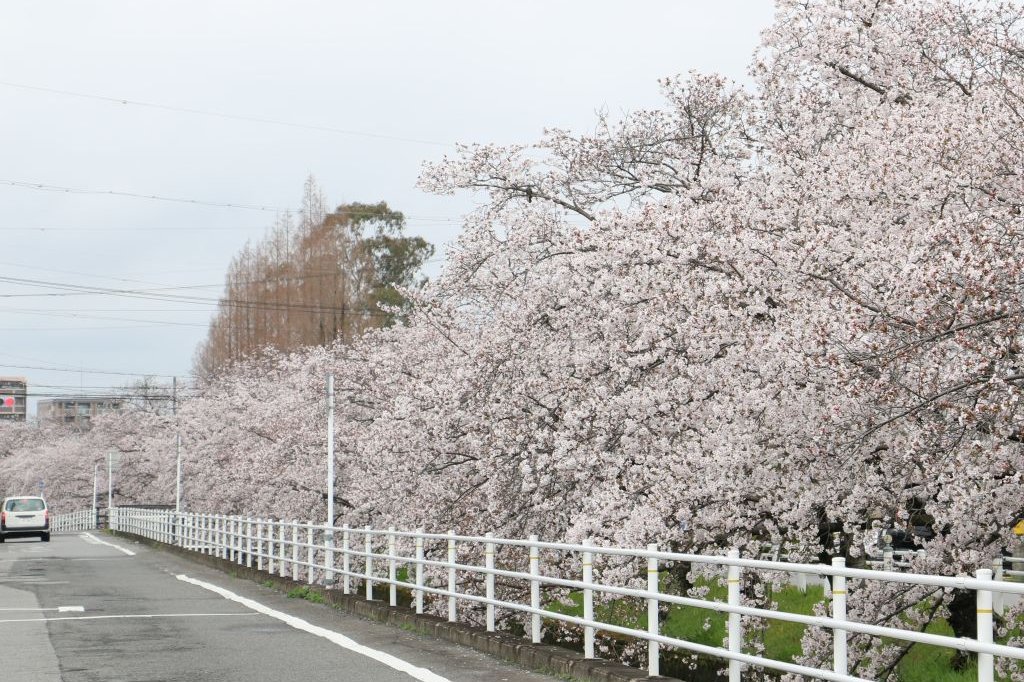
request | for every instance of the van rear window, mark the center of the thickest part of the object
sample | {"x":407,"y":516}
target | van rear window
{"x":27,"y":504}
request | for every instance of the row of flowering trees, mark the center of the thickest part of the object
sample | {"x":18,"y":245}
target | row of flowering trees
{"x":755,"y":315}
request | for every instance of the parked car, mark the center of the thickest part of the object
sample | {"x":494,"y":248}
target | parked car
{"x":899,"y":540}
{"x":24,"y":516}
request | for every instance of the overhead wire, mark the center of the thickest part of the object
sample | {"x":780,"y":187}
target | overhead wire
{"x":136,"y":195}
{"x":217,"y":114}
{"x":44,"y":187}
{"x":68,"y":289}
{"x":84,"y":370}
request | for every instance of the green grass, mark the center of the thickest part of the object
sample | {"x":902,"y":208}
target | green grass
{"x":782,"y":640}
{"x":926,"y":663}
{"x":704,"y":626}
{"x":307,"y":594}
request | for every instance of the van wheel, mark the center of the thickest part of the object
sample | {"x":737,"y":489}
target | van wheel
{"x":45,"y":537}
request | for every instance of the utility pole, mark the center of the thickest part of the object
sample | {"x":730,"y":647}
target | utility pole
{"x":110,"y":481}
{"x":329,"y":531}
{"x":95,"y":485}
{"x":177,"y":447}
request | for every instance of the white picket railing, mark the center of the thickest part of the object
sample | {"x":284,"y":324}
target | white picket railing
{"x":73,"y":521}
{"x":309,"y":551}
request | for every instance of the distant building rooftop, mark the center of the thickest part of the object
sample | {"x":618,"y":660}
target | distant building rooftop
{"x":78,"y":411}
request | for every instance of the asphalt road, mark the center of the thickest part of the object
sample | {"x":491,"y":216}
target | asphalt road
{"x":75,"y":609}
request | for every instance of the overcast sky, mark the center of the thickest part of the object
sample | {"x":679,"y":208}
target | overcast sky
{"x":403,"y":78}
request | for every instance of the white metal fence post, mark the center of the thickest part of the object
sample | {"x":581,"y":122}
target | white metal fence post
{"x":653,"y":664}
{"x":735,"y":625}
{"x":271,"y":548}
{"x":535,"y":622}
{"x":259,"y":544}
{"x":220,"y":546}
{"x":295,"y":550}
{"x":839,"y":656}
{"x":248,"y":542}
{"x":452,"y":613}
{"x":392,"y":569}
{"x":489,"y":580}
{"x":345,"y":561}
{"x":986,"y":672}
{"x":281,"y":565}
{"x":310,"y":556}
{"x":588,"y":601}
{"x":240,"y":540}
{"x":369,"y":564}
{"x":419,"y":571}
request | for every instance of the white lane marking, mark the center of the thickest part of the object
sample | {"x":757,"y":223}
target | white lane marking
{"x":129,"y":615}
{"x":335,"y":637}
{"x":88,"y":537}
{"x":66,"y":609}
{"x":59,"y":609}
{"x":32,"y":581}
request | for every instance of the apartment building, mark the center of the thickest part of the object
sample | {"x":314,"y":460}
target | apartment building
{"x":78,"y":411}
{"x":13,"y":398}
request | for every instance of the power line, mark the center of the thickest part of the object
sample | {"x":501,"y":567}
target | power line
{"x":135,"y":195}
{"x":35,"y":330}
{"x":72,"y":289}
{"x":412,"y":222}
{"x":71,"y":315}
{"x":265,"y":280}
{"x":76,"y":387}
{"x":45,"y":187}
{"x":112,"y":397}
{"x":96,"y":371}
{"x":217,"y":114}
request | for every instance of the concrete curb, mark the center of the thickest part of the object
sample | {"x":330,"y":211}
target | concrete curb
{"x":542,"y":658}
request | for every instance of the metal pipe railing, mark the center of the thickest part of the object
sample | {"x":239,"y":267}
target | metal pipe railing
{"x":291,"y":548}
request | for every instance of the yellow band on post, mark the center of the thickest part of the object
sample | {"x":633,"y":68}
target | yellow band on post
{"x":838,"y":591}
{"x":984,"y":610}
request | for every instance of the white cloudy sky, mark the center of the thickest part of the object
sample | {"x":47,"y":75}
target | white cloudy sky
{"x":437,"y":72}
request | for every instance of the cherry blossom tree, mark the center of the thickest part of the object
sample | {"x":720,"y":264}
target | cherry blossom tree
{"x":755,"y":316}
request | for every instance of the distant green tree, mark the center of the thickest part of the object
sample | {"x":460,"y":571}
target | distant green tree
{"x":325,"y":276}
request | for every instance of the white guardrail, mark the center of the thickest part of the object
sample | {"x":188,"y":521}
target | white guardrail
{"x":293,"y":548}
{"x":74,"y":521}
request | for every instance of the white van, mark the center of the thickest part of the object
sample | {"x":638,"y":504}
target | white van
{"x":26,"y":515}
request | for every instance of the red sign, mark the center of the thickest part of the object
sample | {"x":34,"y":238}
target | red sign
{"x":8,"y":401}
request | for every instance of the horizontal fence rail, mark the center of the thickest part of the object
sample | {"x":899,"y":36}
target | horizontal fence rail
{"x":461,"y":574}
